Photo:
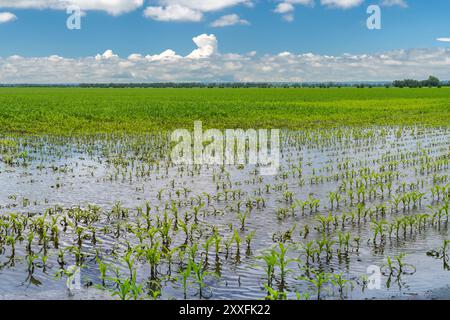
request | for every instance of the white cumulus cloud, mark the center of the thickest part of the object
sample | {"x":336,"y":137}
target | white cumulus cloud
{"x":284,"y":7}
{"x":173,"y":13}
{"x":287,"y":7}
{"x":108,"y":54}
{"x":114,"y":7}
{"x":204,"y":5}
{"x":6,"y":17}
{"x":187,"y":10}
{"x":342,"y":4}
{"x":391,"y":3}
{"x":229,"y":20}
{"x":168,"y":55}
{"x":207,"y":46}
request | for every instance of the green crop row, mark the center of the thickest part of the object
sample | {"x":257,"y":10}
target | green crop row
{"x":74,"y":111}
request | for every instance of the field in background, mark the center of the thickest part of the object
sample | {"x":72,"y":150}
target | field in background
{"x":74,"y":111}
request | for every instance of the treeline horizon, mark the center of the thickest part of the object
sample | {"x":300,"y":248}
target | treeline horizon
{"x":406,"y":83}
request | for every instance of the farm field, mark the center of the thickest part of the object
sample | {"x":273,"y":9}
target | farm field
{"x":73,"y":111}
{"x":359,"y":208}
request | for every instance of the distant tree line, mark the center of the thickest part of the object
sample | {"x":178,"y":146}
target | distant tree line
{"x":411,"y":83}
{"x":230,"y":85}
{"x":407,"y":83}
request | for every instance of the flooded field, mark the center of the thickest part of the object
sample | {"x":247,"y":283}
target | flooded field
{"x":352,"y":213}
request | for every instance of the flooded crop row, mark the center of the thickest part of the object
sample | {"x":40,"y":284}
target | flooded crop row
{"x":352,"y":213}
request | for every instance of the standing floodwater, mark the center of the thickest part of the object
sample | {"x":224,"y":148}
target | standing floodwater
{"x":344,"y":202}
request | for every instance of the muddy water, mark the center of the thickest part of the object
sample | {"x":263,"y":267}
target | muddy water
{"x":67,"y":173}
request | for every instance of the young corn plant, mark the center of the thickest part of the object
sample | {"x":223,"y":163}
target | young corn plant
{"x":200,"y":276}
{"x":283,"y":262}
{"x":102,"y":267}
{"x":153,"y":257}
{"x":273,"y":294}
{"x":342,"y":284}
{"x":206,"y":246}
{"x":184,"y":276}
{"x":319,"y":280}
{"x":242,"y":218}
{"x":270,"y":258}
{"x":129,"y":260}
{"x":248,"y":240}
{"x":378,"y":228}
{"x":442,"y":253}
{"x":128,"y":288}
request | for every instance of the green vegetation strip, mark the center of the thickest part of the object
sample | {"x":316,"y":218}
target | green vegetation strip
{"x":77,"y":111}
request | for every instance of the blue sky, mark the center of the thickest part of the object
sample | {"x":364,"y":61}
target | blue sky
{"x":268,"y":27}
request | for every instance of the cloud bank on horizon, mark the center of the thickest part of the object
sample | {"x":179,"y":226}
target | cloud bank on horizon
{"x":207,"y":64}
